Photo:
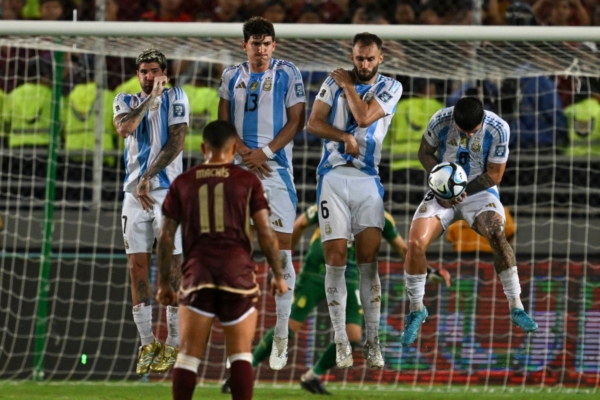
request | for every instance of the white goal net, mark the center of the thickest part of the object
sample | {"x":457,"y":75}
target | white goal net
{"x":65,"y":303}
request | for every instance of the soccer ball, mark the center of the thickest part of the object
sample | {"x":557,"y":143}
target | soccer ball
{"x":447,"y":180}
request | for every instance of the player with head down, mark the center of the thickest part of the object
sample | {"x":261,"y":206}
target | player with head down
{"x":477,"y":140}
{"x":213,"y":203}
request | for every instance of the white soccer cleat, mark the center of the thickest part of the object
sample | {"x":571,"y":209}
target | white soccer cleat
{"x":343,"y":354}
{"x":279,"y":353}
{"x":372,"y":353}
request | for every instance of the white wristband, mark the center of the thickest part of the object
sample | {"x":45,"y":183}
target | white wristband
{"x":268,"y":152}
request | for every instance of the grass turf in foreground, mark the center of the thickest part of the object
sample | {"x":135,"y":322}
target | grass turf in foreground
{"x":28,"y":390}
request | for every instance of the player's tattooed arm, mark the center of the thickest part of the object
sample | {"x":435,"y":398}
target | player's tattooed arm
{"x":164,"y":259}
{"x":126,"y":124}
{"x":491,"y":177}
{"x":427,"y":155}
{"x":171,"y":149}
{"x":129,"y":123}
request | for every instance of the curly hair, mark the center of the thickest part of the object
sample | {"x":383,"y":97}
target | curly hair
{"x":151,"y":55}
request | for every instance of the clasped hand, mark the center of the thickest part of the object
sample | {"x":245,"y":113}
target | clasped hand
{"x":256,"y":161}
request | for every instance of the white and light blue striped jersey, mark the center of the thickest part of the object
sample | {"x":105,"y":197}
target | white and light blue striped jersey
{"x":144,"y":144}
{"x":259,"y":102}
{"x":490,"y":143}
{"x":387,"y":92}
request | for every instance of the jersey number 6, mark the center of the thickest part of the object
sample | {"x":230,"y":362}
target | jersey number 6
{"x":324,"y":210}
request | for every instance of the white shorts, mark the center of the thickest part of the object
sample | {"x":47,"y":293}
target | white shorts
{"x":141,"y":228}
{"x":349,"y":202}
{"x":468,"y":210}
{"x":281,"y":193}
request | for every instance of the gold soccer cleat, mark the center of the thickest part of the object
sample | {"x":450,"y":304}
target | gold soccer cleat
{"x":146,"y":355}
{"x":165,"y":359}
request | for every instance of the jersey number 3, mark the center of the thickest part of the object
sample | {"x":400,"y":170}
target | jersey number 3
{"x":251,"y":102}
{"x":217,"y":211}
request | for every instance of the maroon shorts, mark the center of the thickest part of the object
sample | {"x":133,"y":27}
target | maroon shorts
{"x":229,"y":307}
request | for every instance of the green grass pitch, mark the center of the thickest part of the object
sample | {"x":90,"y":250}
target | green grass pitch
{"x":137,"y":391}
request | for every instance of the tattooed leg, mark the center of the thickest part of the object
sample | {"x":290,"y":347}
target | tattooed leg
{"x":491,"y":225}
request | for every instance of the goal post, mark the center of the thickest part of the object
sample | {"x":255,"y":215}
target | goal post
{"x":64,"y":291}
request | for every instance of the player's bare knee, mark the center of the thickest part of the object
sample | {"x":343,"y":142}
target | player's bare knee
{"x":416,"y":247}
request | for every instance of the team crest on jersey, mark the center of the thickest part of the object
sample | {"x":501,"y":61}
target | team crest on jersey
{"x":384,"y":96}
{"x":464,"y":141}
{"x":253,"y":86}
{"x":476,"y":146}
{"x":179,"y":110}
{"x":327,"y":228}
{"x":155,"y":105}
{"x":368,"y":97}
{"x":500,"y":151}
{"x":268,"y":85}
{"x":299,"y":90}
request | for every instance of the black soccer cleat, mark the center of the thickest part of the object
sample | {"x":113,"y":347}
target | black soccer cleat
{"x":313,"y":385}
{"x":225,"y":387}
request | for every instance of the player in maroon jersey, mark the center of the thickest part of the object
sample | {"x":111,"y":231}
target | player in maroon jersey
{"x":214,"y":202}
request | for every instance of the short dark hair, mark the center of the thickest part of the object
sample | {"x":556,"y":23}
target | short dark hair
{"x":258,"y":27}
{"x":151,"y":55}
{"x":218,"y":133}
{"x":468,"y":113}
{"x":367,"y":39}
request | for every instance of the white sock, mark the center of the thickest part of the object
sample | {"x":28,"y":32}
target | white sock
{"x":142,"y":315}
{"x":283,"y":304}
{"x":335,"y":290}
{"x":370,"y":297}
{"x":512,"y":287}
{"x":173,"y":326}
{"x":415,"y":287}
{"x":187,"y":362}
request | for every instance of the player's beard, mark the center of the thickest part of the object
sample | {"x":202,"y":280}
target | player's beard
{"x":366,"y":77}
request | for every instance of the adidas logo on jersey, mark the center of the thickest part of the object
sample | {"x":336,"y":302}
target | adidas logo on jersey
{"x":241,"y":85}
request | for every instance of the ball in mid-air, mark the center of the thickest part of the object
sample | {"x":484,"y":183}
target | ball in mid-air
{"x":447,"y":180}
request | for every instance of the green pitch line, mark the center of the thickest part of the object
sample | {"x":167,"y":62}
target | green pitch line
{"x":134,"y":391}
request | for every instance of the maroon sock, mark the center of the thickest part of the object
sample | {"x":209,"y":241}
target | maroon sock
{"x":242,"y":380}
{"x":184,"y":383}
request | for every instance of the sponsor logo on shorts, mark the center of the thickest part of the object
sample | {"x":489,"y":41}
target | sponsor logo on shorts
{"x":287,"y":276}
{"x":331,"y":290}
{"x":423,"y":208}
{"x":278,"y":223}
{"x":376,"y":300}
{"x":327,"y":228}
{"x":491,"y":205}
{"x":375,"y":288}
{"x":333,"y":304}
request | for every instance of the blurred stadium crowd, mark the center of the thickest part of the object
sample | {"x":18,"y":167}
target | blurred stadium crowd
{"x":433,"y":12}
